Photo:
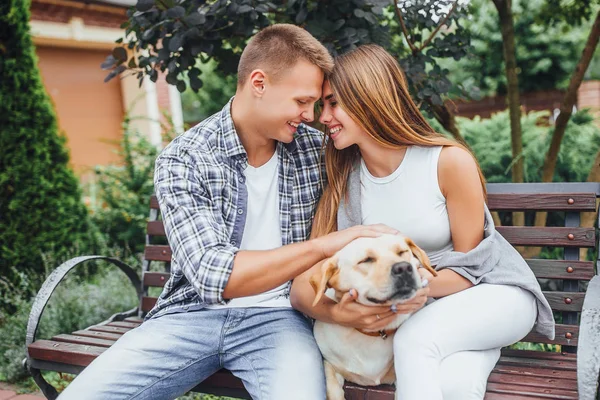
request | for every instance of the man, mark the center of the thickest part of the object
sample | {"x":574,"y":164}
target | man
{"x":237,"y":194}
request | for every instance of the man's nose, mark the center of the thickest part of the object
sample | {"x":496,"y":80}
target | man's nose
{"x":308,"y":115}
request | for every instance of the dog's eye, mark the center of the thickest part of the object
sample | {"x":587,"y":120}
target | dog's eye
{"x":401,"y":252}
{"x":368,"y":260}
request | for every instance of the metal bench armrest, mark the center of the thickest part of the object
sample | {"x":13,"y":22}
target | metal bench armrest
{"x":588,"y":351}
{"x":53,"y":280}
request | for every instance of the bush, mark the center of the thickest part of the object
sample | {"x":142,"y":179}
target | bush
{"x":74,"y":305}
{"x":119,"y":197}
{"x":490,"y":141}
{"x":214,"y":94}
{"x":40,"y":198}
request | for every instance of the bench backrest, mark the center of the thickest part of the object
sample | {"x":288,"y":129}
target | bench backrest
{"x":563,"y":277}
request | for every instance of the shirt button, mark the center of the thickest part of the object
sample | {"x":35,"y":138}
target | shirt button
{"x":240,"y":211}
{"x":241,"y":179}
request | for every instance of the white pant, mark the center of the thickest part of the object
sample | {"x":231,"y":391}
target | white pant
{"x":448,"y":349}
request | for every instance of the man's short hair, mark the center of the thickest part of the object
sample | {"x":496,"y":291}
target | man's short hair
{"x":278,"y":48}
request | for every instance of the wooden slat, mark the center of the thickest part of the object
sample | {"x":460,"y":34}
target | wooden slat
{"x":557,"y":269}
{"x":567,"y":365}
{"x":157,"y":253}
{"x":532,"y":391}
{"x":156,"y":278}
{"x":155,"y":228}
{"x":507,"y":396}
{"x":154,"y":202}
{"x":66,"y":353}
{"x":552,"y":236}
{"x":108,"y":329}
{"x":83,"y":340}
{"x":561,"y":331}
{"x":535,"y":371}
{"x":542,"y":202}
{"x":148,"y":303}
{"x":357,"y":392}
{"x":124,"y":324}
{"x":559,"y":301}
{"x":99,"y":335}
{"x":568,"y":384}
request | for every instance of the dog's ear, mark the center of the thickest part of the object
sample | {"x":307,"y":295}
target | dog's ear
{"x":320,"y":279}
{"x":421,"y":256}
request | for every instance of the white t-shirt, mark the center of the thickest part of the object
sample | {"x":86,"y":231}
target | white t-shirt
{"x":263,"y":228}
{"x":410,"y":200}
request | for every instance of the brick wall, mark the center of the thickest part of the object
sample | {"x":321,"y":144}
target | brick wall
{"x":62,"y":11}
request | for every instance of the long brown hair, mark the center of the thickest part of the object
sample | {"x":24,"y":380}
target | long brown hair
{"x":369,"y":85}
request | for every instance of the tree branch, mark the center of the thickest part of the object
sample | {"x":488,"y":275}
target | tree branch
{"x":430,"y":38}
{"x":404,"y":30}
{"x":566,"y":108}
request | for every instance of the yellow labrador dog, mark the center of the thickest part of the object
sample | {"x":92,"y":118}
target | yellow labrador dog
{"x":383,"y":270}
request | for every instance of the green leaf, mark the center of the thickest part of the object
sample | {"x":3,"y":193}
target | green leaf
{"x":108,"y":63}
{"x":176,"y":12}
{"x":120,"y":54}
{"x":144,"y":5}
{"x":181,"y":86}
{"x":175,"y":42}
{"x":195,"y":19}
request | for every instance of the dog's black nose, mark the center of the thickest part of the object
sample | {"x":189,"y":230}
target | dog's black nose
{"x":402,"y":267}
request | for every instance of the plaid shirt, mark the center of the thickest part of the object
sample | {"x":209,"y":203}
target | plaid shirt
{"x":200,"y":186}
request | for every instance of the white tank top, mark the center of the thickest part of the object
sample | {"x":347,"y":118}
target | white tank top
{"x":410,"y":200}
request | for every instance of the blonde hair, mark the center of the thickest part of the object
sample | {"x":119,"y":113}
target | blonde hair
{"x":369,"y":85}
{"x":278,"y":48}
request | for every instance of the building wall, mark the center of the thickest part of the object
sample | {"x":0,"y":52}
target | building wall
{"x":89,"y":110}
{"x":73,"y":38}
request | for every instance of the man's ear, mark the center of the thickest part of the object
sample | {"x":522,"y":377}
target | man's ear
{"x":421,"y":256}
{"x":320,"y":280}
{"x":257,"y":82}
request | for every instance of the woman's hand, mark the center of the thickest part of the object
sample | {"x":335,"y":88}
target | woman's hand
{"x":354,"y":315}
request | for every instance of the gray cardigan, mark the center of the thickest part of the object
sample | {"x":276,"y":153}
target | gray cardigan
{"x":493,"y":261}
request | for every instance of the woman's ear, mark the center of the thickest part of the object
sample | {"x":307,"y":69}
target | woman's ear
{"x":320,"y":280}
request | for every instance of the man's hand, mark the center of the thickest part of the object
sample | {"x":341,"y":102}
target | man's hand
{"x":335,"y":241}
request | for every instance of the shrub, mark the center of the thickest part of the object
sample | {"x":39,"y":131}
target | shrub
{"x":40,"y":198}
{"x":490,"y":141}
{"x":119,"y":196}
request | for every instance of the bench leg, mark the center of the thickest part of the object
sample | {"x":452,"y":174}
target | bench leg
{"x":48,"y":390}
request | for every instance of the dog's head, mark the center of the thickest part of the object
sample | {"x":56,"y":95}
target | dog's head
{"x":383,"y":270}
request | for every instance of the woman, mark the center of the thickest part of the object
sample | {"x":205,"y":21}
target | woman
{"x":431,"y":189}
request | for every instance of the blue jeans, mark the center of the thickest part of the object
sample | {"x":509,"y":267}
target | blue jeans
{"x":272,"y":350}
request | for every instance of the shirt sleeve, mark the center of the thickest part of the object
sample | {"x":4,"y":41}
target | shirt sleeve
{"x":195,"y":227}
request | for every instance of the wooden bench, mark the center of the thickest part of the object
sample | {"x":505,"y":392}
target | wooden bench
{"x":571,"y":373}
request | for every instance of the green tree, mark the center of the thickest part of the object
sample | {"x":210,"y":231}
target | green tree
{"x":40,"y":199}
{"x":546,"y":53}
{"x":216,"y":91}
{"x":175,"y":34}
